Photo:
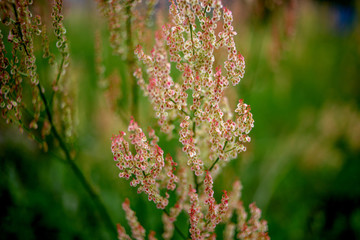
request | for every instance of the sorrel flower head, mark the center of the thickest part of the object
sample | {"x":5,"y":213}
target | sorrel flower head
{"x":197,"y":98}
{"x":192,"y":106}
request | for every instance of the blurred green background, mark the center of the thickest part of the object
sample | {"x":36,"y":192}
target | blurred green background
{"x":302,"y":167}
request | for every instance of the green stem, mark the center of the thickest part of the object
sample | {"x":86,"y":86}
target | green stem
{"x":214,"y":163}
{"x":195,"y":177}
{"x":26,"y":129}
{"x":57,"y":77}
{"x":19,"y":27}
{"x":76,"y":170}
{"x":229,"y":150}
{"x":196,"y":183}
{"x":218,"y":41}
{"x":181,"y":110}
{"x":191,"y":36}
{"x":131,"y":61}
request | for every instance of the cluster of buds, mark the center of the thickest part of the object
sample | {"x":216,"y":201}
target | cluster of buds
{"x":210,"y":135}
{"x":146,"y":168}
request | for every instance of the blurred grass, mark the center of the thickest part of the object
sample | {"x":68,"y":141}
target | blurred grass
{"x":302,"y":166}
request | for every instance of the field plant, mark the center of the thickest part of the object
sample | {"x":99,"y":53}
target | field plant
{"x":185,"y":81}
{"x":42,"y":108}
{"x":192,"y":108}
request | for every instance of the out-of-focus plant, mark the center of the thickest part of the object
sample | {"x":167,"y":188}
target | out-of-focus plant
{"x":127,"y":24}
{"x":47,"y":113}
{"x":194,"y":109}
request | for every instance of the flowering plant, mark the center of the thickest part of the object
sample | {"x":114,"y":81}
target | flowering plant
{"x":192,"y":108}
{"x":209,"y":133}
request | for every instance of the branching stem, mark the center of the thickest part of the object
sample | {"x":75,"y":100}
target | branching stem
{"x":181,"y":110}
{"x":218,"y":158}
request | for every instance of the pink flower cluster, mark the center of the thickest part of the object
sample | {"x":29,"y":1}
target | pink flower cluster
{"x":147,"y":167}
{"x":215,"y":212}
{"x":205,"y":214}
{"x":188,"y":141}
{"x":195,"y":215}
{"x":161,"y":89}
{"x":252,"y":228}
{"x":203,"y":227}
{"x":209,"y":132}
{"x":137,"y":230}
{"x":201,"y":113}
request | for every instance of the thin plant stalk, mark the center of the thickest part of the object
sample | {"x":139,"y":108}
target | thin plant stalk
{"x":76,"y":170}
{"x":130,"y":60}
